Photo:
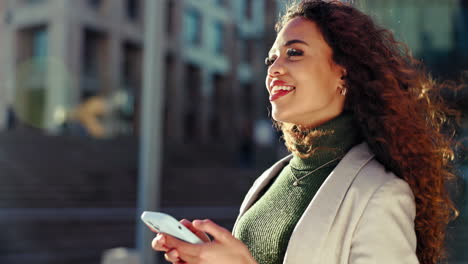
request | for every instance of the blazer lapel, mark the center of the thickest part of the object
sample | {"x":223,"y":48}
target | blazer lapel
{"x":312,"y":229}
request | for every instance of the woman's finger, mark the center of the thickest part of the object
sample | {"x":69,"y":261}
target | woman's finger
{"x":158,"y":243}
{"x":219,"y":233}
{"x":202,"y":235}
{"x":178,"y":261}
{"x":172,"y":256}
{"x":182,"y":247}
{"x":178,"y":256}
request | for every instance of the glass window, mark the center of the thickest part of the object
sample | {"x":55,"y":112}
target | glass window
{"x":31,"y":75}
{"x":192,"y":27}
{"x":218,"y":106}
{"x":192,"y":99}
{"x":170,"y":9}
{"x":95,"y":3}
{"x":131,"y":82}
{"x":95,"y":50}
{"x":246,"y":50}
{"x":221,"y":2}
{"x":248,"y":9}
{"x":219,"y":41}
{"x":133,"y":9}
{"x":39,"y":48}
{"x":34,"y":1}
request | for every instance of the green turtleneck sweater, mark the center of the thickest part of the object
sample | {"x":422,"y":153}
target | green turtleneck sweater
{"x":268,"y":224}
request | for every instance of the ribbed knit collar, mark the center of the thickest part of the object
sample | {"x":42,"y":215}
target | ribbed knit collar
{"x":341,"y":134}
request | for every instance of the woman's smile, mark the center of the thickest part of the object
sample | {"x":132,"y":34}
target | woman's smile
{"x":279,"y":89}
{"x":279,"y":93}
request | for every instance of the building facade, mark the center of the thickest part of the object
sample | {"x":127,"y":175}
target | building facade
{"x":59,"y":53}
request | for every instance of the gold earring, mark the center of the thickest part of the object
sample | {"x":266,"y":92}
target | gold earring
{"x":342,"y":90}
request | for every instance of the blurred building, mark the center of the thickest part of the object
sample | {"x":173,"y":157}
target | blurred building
{"x":435,"y":31}
{"x":60,"y":55}
{"x":213,"y":67}
{"x":57,"y":53}
{"x":414,"y":22}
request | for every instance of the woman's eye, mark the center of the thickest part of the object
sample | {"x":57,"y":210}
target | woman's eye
{"x":294,"y":52}
{"x":269,"y":61}
{"x":290,"y":52}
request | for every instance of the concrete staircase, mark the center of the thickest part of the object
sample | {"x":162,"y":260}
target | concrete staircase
{"x":68,"y":199}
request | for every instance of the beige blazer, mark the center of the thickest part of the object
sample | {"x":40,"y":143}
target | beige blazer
{"x":360,"y":215}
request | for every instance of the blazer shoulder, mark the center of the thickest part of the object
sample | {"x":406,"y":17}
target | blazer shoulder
{"x":373,"y":175}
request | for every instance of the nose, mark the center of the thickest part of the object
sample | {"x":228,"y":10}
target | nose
{"x":277,"y":68}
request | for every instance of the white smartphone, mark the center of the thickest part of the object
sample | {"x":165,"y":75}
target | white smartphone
{"x":164,"y":223}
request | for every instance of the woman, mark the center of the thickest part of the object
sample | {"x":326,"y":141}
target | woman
{"x":365,"y":181}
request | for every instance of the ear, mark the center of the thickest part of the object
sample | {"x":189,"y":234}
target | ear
{"x":344,"y":71}
{"x":343,"y":74}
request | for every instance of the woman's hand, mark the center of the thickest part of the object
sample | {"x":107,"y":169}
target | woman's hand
{"x":223,"y":249}
{"x":159,"y":242}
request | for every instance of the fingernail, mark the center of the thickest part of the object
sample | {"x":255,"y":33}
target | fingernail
{"x":161,"y":239}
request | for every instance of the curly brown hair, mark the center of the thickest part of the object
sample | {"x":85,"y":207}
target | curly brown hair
{"x":397,"y":106}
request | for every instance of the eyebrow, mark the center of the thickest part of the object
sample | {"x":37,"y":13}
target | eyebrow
{"x":292,"y":41}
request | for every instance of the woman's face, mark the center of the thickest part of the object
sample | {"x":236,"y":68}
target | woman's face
{"x":302,"y":80}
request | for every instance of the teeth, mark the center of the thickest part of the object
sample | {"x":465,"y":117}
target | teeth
{"x":278,"y":88}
